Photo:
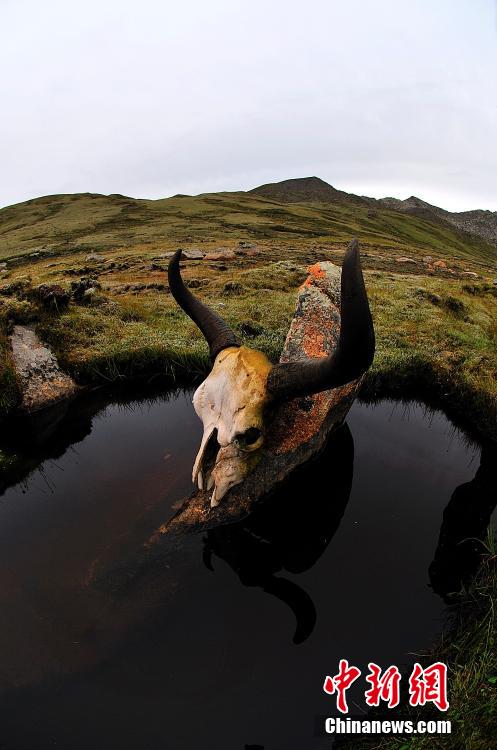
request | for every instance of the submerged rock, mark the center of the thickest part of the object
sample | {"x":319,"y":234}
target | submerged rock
{"x":299,"y":428}
{"x":43,"y":383}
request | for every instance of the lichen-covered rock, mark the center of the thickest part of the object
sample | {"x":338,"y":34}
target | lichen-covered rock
{"x":43,"y":383}
{"x":299,"y":428}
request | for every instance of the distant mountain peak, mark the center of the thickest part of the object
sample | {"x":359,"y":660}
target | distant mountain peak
{"x":304,"y":190}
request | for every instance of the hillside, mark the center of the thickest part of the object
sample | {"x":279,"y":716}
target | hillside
{"x":477,"y":223}
{"x":304,"y":209}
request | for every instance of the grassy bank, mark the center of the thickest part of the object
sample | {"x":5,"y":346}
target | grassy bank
{"x":436,"y":333}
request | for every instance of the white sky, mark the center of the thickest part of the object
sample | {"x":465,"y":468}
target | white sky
{"x":152,"y":98}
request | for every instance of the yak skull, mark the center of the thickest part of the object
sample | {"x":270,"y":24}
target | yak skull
{"x":231,"y":401}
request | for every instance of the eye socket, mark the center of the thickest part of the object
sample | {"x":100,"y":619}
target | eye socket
{"x":249,"y":437}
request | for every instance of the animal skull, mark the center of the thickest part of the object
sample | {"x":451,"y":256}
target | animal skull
{"x":231,"y":401}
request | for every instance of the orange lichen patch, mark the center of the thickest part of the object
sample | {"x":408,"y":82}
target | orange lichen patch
{"x":313,"y":343}
{"x":315,"y":272}
{"x":301,"y":426}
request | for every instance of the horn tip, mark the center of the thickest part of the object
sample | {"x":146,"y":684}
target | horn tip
{"x":352,"y":256}
{"x":354,"y":246}
{"x":174,"y":262}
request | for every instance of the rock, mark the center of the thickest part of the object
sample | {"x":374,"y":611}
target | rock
{"x":52,"y":295}
{"x":3,"y":265}
{"x":221,"y":255}
{"x":79,"y":288}
{"x":404,"y":259}
{"x":471,"y":274}
{"x":439,"y":264}
{"x":427,"y":259}
{"x":193,"y":254}
{"x":35,"y":252}
{"x":298,"y":428}
{"x":43,"y":383}
{"x":94,"y":257}
{"x":247,"y":245}
{"x":166,"y":255}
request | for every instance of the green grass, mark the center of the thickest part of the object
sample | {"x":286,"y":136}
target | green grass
{"x":9,"y":388}
{"x":437,"y":341}
{"x":436,"y":334}
{"x":65,"y":223}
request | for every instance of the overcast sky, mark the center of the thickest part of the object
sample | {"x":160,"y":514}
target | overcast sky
{"x":152,"y":98}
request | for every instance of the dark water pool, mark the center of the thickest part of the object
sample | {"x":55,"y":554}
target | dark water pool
{"x":224,"y":642}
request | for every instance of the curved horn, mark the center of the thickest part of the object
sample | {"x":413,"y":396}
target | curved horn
{"x":217,"y":333}
{"x":355,"y":349}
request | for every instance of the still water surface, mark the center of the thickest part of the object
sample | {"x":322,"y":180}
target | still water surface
{"x":224,"y":642}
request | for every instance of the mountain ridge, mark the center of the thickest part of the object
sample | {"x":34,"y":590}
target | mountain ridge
{"x":291,"y":210}
{"x":479,"y":222}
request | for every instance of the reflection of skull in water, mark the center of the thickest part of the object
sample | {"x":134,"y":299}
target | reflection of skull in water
{"x":231,"y":401}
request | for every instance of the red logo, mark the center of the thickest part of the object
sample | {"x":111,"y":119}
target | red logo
{"x":427,"y":685}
